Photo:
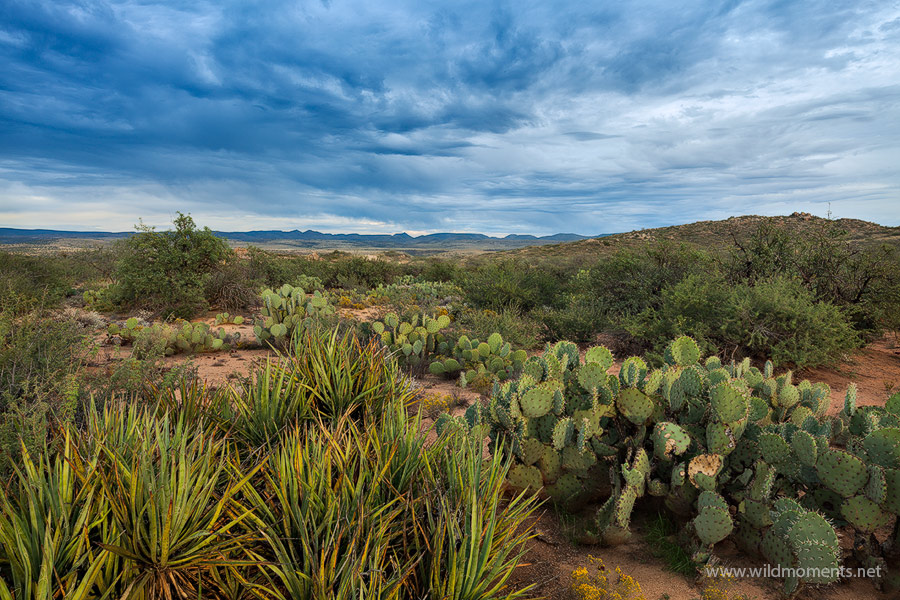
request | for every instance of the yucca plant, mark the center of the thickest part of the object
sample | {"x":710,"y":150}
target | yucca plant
{"x":271,"y":403}
{"x":474,"y":538}
{"x":325,"y":517}
{"x":344,"y":376}
{"x":46,"y":520}
{"x":172,"y":501}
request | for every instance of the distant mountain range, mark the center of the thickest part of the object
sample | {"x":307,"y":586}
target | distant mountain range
{"x":317,"y":240}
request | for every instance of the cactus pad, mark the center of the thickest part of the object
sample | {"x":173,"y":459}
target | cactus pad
{"x":713,"y":524}
{"x":634,"y":405}
{"x":523,"y":477}
{"x":842,"y":472}
{"x":773,"y":447}
{"x":669,"y":440}
{"x":728,"y":402}
{"x":537,"y":402}
{"x":883,"y":447}
{"x":684,"y":351}
{"x":600,"y":356}
{"x":805,"y":447}
{"x":864,"y":514}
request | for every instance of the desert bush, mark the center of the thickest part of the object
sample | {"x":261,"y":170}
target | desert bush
{"x":520,"y":330}
{"x":359,"y":273}
{"x":580,"y":320}
{"x":168,"y":271}
{"x":508,"y":283}
{"x":862,"y":280}
{"x":41,"y":357}
{"x":234,"y":286}
{"x":30,"y":281}
{"x":778,"y":318}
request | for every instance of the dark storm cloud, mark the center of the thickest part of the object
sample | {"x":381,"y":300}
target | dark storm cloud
{"x":376,"y":116}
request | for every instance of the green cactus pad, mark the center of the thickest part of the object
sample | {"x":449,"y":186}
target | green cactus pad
{"x":893,"y":404}
{"x":691,"y":381}
{"x":773,"y":448}
{"x":876,"y":488}
{"x":601,"y":449}
{"x":669,"y":440}
{"x":777,"y":550}
{"x":522,"y":477}
{"x":819,"y":561}
{"x":719,"y":438}
{"x":757,"y":513}
{"x":633,"y":371}
{"x":728,"y":402}
{"x":530,"y":451}
{"x":883,"y":447}
{"x":863,"y":514}
{"x":713,"y":524}
{"x":708,"y":499}
{"x":842,"y":472}
{"x":576,"y":460}
{"x":892,"y":496}
{"x":565,"y":490}
{"x":600,"y":356}
{"x":684,"y":351}
{"x":624,"y":506}
{"x":537,"y":402}
{"x":763,"y":479}
{"x":563,"y":432}
{"x":805,"y":448}
{"x":634,"y":405}
{"x":591,"y":376}
{"x":813,"y":526}
{"x":550,"y":464}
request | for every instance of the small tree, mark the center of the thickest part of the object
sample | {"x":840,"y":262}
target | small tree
{"x":167,"y":270}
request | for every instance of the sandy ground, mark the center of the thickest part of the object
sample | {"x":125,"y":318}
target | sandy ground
{"x":552,"y":554}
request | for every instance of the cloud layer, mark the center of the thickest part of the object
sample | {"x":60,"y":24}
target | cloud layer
{"x":525,"y":117}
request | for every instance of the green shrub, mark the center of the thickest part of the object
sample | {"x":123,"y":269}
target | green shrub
{"x":168,"y":271}
{"x":580,"y":320}
{"x":360,"y":273}
{"x":862,"y":280}
{"x":778,"y":318}
{"x":521,"y":331}
{"x":40,"y":358}
{"x":29,"y":281}
{"x":509,"y":283}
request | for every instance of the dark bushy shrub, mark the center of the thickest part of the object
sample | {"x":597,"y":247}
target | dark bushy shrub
{"x":777,"y":318}
{"x":168,"y":270}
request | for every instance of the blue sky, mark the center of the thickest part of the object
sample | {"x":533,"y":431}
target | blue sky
{"x":505,"y":117}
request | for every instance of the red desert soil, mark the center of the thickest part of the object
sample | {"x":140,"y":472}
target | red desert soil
{"x":552,"y":555}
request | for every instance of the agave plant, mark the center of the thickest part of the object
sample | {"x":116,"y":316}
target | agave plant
{"x":46,"y":521}
{"x":172,"y":502}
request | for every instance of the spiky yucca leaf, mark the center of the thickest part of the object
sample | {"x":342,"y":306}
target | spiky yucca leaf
{"x":172,"y":502}
{"x":45,"y":524}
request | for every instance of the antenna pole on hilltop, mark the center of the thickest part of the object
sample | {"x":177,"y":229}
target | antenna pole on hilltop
{"x":829,"y":211}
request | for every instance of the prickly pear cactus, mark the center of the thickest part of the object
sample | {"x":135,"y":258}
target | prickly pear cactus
{"x":469,"y":359}
{"x":413,"y":342}
{"x":287,"y":311}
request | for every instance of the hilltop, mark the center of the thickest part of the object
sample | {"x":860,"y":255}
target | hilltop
{"x":714,"y":235}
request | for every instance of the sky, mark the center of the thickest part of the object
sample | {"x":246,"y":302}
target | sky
{"x":417,"y":116}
